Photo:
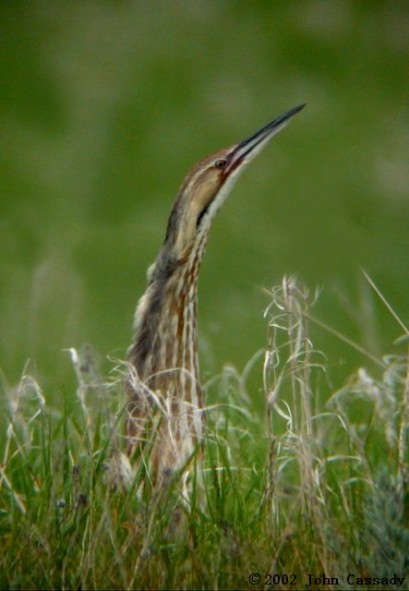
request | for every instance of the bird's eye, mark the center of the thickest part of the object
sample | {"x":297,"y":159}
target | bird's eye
{"x":220,"y":163}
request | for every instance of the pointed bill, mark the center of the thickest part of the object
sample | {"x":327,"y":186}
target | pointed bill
{"x":251,"y":146}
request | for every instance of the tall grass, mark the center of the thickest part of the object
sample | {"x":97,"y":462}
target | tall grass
{"x":317,"y":486}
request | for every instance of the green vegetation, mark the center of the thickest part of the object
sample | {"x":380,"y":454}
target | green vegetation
{"x":104,"y":107}
{"x":317,"y":484}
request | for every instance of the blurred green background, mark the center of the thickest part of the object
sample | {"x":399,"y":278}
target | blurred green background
{"x":106,"y":105}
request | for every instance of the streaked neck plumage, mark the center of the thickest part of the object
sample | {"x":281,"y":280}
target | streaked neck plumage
{"x":163,"y":356}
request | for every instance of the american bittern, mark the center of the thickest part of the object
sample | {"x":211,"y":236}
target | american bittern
{"x":165,"y":397}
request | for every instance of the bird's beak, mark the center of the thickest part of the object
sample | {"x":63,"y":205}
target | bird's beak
{"x":250,"y":147}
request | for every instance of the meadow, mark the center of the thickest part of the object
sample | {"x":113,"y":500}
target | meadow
{"x":104,"y":107}
{"x":305,"y":495}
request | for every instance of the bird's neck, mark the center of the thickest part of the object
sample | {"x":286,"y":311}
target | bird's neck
{"x":165,"y":352}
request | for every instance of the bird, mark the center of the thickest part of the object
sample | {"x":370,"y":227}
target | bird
{"x":165,"y":409}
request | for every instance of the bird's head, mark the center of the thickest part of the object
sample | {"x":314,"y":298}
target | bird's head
{"x":207,"y":185}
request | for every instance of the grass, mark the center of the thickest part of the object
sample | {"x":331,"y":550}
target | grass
{"x":318,"y":485}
